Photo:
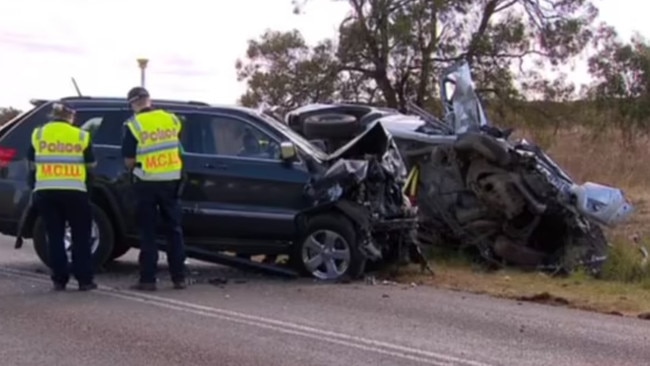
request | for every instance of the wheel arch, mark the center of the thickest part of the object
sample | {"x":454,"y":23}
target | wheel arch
{"x":355,"y":213}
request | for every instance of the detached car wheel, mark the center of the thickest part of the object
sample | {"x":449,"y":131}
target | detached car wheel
{"x":102,"y":239}
{"x":331,"y":126}
{"x":328,"y":249}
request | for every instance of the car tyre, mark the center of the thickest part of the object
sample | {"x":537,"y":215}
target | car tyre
{"x":104,"y":249}
{"x":333,"y":238}
{"x":331,"y":127}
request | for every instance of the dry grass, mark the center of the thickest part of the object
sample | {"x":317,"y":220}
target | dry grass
{"x":578,"y":291}
{"x":605,"y":158}
{"x":601,"y":157}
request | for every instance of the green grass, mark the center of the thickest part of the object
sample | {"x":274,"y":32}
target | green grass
{"x":625,"y":265}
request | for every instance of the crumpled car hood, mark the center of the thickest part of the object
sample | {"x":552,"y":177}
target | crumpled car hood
{"x":375,"y":140}
{"x":372,"y":160}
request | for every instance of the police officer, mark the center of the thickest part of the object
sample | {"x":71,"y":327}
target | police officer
{"x":59,"y":156}
{"x":151,"y":149}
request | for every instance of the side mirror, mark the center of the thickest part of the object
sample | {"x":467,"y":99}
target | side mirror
{"x":287,"y":151}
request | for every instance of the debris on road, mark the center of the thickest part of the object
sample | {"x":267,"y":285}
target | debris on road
{"x":239,"y":263}
{"x":615,"y":313}
{"x":545,"y":298}
{"x":644,"y":316}
{"x":218,"y":281}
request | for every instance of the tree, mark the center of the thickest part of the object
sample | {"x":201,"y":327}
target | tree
{"x":7,"y":114}
{"x":622,"y":80}
{"x":282,"y":70}
{"x":397,"y":47}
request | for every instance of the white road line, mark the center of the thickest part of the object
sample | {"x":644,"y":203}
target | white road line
{"x":347,"y":340}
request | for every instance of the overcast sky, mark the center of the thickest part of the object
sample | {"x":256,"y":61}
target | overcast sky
{"x":192,"y":44}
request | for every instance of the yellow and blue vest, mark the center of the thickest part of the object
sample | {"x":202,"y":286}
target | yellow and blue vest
{"x":59,"y":156}
{"x":158,"y":154}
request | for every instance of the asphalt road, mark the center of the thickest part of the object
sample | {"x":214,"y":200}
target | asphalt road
{"x":253,"y":320}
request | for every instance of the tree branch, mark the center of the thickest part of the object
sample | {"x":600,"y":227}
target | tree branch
{"x":488,"y":11}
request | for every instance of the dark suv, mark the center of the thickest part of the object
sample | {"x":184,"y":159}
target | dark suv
{"x":245,"y":190}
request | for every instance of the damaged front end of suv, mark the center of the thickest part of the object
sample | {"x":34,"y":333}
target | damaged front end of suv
{"x":360,"y":215}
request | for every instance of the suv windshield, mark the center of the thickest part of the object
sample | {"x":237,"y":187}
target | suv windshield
{"x":300,"y":141}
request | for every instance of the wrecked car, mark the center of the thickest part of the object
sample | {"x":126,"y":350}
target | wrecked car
{"x":476,"y":188}
{"x":253,"y":187}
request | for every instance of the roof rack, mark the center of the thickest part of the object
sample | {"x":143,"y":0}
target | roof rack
{"x":38,"y":102}
{"x":117,"y":99}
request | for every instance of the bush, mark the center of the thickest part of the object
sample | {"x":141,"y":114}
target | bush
{"x":625,"y":265}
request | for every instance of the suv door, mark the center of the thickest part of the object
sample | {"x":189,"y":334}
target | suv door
{"x":106,"y":128}
{"x":194,"y":224}
{"x":250,"y":193}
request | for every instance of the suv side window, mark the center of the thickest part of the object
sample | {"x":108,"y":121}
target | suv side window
{"x":233,"y":137}
{"x":105,"y":126}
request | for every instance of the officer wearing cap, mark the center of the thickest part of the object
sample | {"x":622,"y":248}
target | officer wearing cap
{"x":59,"y":157}
{"x":152,"y":152}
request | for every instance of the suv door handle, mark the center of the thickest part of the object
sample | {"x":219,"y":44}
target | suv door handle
{"x":215,"y":166}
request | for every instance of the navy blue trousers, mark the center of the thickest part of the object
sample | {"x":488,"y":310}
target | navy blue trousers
{"x":56,"y":207}
{"x":154,"y":197}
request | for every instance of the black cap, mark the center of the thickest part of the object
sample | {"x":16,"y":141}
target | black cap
{"x":137,"y":93}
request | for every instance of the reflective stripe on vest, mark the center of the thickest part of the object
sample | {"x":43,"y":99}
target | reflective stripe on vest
{"x":158,"y":151}
{"x":59,"y":149}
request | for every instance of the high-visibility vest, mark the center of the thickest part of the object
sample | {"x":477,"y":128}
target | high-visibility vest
{"x":59,"y":156}
{"x":158,"y":155}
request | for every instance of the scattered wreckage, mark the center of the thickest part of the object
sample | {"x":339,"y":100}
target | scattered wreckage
{"x":477,"y":188}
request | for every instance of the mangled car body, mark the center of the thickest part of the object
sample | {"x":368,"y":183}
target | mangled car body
{"x":477,"y":188}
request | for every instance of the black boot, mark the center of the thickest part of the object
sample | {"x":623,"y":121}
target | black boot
{"x":87,"y":286}
{"x":144,"y":286}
